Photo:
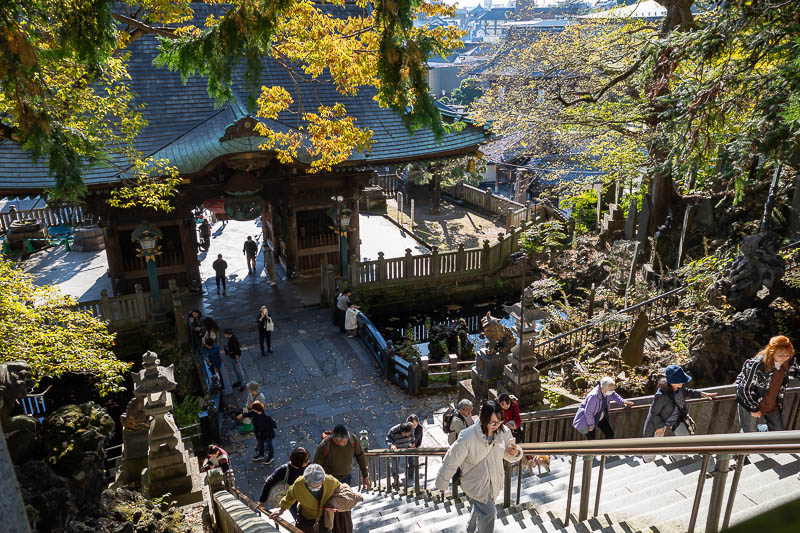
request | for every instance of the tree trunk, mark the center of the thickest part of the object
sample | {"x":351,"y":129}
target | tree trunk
{"x":437,"y":192}
{"x":679,"y":17}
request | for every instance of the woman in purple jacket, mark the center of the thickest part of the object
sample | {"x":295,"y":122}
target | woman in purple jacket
{"x":593,"y":412}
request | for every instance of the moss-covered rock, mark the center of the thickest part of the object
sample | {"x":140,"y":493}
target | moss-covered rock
{"x":72,"y":431}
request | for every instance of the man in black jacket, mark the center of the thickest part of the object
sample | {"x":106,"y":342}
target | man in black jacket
{"x":264,"y":429}
{"x":234,"y":350}
{"x":219,"y":268}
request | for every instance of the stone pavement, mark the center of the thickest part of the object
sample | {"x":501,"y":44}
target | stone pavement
{"x":316,"y":377}
{"x":80,"y":274}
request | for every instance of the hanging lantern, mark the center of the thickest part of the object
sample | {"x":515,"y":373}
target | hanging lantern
{"x":242,"y":197}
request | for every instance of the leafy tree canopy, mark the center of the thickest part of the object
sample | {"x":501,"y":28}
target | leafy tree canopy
{"x":65,"y":96}
{"x":40,"y":325}
{"x":702,"y":106}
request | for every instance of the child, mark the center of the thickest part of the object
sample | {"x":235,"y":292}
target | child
{"x":264,"y":429}
{"x":351,"y":320}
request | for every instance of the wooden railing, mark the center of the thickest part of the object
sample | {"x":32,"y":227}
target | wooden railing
{"x":166,"y":259}
{"x":718,"y":415}
{"x":48,"y":216}
{"x":609,"y":328}
{"x":125,"y":310}
{"x":446,"y":265}
{"x":390,"y":183}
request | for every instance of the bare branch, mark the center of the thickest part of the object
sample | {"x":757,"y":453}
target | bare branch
{"x":590,"y":99}
{"x":144,"y":29}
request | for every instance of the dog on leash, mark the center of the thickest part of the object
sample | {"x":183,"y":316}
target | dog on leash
{"x":541,"y":461}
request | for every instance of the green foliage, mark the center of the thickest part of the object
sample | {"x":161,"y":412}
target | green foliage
{"x":468,"y":169}
{"x":40,"y":325}
{"x":405,"y":348}
{"x":584,"y":210}
{"x":186,"y":412}
{"x":543,"y":237}
{"x":466,"y":93}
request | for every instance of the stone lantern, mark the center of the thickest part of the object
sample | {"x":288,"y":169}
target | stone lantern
{"x":169,"y":467}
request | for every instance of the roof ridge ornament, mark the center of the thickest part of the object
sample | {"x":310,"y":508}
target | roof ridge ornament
{"x":244,"y":127}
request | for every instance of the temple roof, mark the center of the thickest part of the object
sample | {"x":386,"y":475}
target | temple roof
{"x":186,"y":127}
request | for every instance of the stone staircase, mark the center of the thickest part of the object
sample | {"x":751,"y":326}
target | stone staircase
{"x":636,"y":496}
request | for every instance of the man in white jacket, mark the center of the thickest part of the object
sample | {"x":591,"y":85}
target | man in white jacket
{"x":479,"y":451}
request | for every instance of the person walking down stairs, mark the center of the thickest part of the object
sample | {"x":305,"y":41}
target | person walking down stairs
{"x":479,"y":451}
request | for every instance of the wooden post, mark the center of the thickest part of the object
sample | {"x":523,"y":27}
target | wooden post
{"x":461,"y":259}
{"x":411,"y":225}
{"x":435,"y":268}
{"x":188,"y":233}
{"x":453,"y":360}
{"x":687,"y":218}
{"x":105,"y":306}
{"x":354,"y":235}
{"x":355,"y":272}
{"x":487,"y":200}
{"x":381,"y":272}
{"x":141,"y":305}
{"x":414,"y":377}
{"x":487,"y":248}
{"x":408,"y":267}
{"x":292,"y":243}
{"x":424,"y":361}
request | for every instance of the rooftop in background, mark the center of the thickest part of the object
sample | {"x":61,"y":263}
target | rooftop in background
{"x":646,"y":9}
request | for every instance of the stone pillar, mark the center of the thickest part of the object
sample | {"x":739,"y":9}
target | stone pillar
{"x":169,"y":467}
{"x":292,"y":245}
{"x":135,"y":427}
{"x":12,"y":508}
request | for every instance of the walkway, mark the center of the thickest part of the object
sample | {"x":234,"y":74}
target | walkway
{"x":381,"y":235}
{"x":316,"y":378}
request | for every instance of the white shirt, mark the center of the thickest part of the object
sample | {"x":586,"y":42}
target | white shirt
{"x":351,"y":318}
{"x":481,"y":463}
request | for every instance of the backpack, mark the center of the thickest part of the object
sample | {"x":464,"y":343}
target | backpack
{"x":327,"y":441}
{"x":447,"y":418}
{"x":278,"y":491}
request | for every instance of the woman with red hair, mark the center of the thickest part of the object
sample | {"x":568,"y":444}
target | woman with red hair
{"x":761,"y":384}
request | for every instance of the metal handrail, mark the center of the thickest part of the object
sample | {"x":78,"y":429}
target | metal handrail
{"x":722,"y":445}
{"x":279,"y":522}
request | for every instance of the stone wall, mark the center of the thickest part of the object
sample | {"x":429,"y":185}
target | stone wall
{"x":233,"y":516}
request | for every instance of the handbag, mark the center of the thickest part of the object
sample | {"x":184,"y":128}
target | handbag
{"x":270,"y":324}
{"x":691,"y":425}
{"x":278,"y":491}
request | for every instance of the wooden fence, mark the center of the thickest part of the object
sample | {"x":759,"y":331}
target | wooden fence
{"x":609,"y":328}
{"x":127,"y":310}
{"x":711,"y":416}
{"x":48,"y":216}
{"x":390,"y":183}
{"x":437,"y":265}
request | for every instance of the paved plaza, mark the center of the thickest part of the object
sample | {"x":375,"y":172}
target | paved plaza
{"x":316,"y":377}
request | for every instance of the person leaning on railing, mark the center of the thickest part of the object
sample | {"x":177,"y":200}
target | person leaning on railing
{"x":761,"y":384}
{"x":479,"y":451}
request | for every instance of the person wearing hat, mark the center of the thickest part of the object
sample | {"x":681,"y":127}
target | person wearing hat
{"x":669,"y":409}
{"x":253,"y":395}
{"x":234,"y":350}
{"x":311,"y":492}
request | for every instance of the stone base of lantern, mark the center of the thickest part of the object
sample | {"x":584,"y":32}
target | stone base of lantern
{"x":174,"y":472}
{"x":528,"y":389}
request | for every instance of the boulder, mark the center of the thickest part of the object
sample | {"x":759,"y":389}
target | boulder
{"x":48,"y":502}
{"x":721,"y":347}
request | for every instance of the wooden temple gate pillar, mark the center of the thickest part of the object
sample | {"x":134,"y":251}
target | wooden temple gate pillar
{"x":188,"y":234}
{"x":354,"y":235}
{"x":292,"y":244}
{"x":116,"y":269}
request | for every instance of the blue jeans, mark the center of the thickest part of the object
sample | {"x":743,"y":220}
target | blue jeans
{"x":768,"y":422}
{"x":268,"y":443}
{"x":241,"y":378}
{"x":481,"y":517}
